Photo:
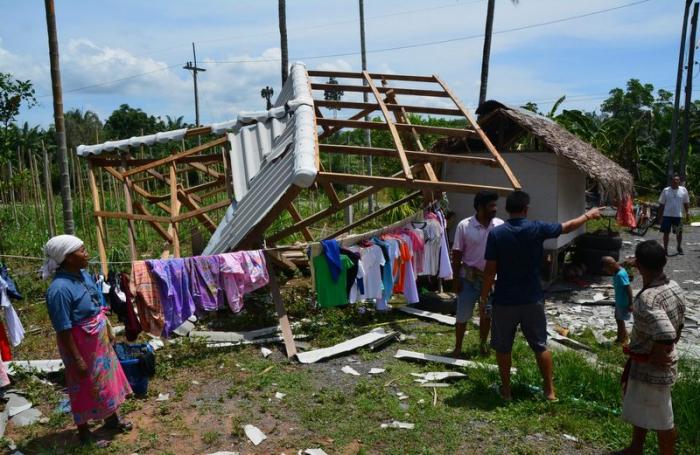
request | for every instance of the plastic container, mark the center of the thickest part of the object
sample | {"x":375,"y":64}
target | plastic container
{"x":130,"y":356}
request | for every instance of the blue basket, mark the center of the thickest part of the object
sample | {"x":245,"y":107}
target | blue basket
{"x":129,"y":357}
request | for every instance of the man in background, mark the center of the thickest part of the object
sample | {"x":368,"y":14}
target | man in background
{"x":468,"y":264}
{"x":514,"y":251}
{"x":672,"y":201}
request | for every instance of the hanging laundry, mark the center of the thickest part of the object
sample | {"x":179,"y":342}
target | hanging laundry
{"x":331,"y":250}
{"x":15,"y":329}
{"x":331,"y":292}
{"x":132,"y":327}
{"x":147,"y":299}
{"x":351,"y":278}
{"x":241,"y":272}
{"x":372,"y":261}
{"x":204,"y":282}
{"x":5,"y":349}
{"x":431,"y":251}
{"x":445,"y":263}
{"x":387,"y":273}
{"x":174,"y":286}
{"x":255,"y":273}
{"x":12,"y":291}
{"x":116,"y":297}
{"x":4,"y":378}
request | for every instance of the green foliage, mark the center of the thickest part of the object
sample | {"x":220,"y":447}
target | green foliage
{"x":127,"y":121}
{"x":13,"y":93}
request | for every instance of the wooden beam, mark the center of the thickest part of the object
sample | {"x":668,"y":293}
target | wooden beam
{"x":397,"y":90}
{"x":412,"y":155}
{"x":159,"y":229}
{"x":360,"y":195}
{"x":422,"y":129}
{"x":140,"y":191}
{"x":402,"y":183}
{"x":174,"y":210}
{"x":198,"y":212}
{"x":352,"y":75}
{"x":286,"y":329}
{"x":132,"y":216}
{"x":374,"y":214}
{"x":331,"y":104}
{"x":192,"y":205}
{"x":99,"y":226}
{"x":484,"y":138}
{"x":203,"y":168}
{"x":141,"y":161}
{"x":297,"y":217}
{"x":131,"y":231}
{"x":177,"y":156}
{"x":392,"y":129}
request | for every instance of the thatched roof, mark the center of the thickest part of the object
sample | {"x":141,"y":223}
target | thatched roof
{"x":506,"y":124}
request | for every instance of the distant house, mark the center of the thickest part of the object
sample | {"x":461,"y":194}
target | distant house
{"x":554,"y":166}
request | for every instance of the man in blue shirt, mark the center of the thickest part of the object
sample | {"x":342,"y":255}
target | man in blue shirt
{"x":514,"y":252}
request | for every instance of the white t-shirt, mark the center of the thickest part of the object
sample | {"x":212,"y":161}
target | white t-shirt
{"x":673,"y":201}
{"x":470,"y":239}
{"x":372,"y":259}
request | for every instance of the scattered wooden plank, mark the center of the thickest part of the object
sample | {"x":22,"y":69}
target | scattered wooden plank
{"x":443,"y":318}
{"x":340,"y":348}
{"x":411,"y":355}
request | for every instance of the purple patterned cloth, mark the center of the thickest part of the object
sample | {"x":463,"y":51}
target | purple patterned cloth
{"x":174,"y":288}
{"x":204,"y":282}
{"x":240,"y":273}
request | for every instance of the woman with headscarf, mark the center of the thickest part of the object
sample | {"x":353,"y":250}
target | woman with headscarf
{"x":96,"y":382}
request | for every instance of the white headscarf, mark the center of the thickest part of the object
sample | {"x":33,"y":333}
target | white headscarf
{"x":56,"y":250}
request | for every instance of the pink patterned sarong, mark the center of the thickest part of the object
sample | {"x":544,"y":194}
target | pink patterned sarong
{"x":100,"y":393}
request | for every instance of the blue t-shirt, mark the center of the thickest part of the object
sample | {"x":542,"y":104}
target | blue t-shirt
{"x":516,"y":246}
{"x":620,"y":282}
{"x":71,"y":298}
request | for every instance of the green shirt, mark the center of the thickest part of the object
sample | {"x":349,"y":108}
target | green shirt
{"x":331,"y":293}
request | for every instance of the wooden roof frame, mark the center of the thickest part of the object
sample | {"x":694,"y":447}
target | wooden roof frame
{"x":181,"y":202}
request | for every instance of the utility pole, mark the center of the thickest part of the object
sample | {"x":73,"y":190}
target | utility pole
{"x":677,"y":98}
{"x":688,"y":92}
{"x":194,"y":68}
{"x":282,"y":16}
{"x":486,"y":57}
{"x":66,"y":199}
{"x":368,"y":133}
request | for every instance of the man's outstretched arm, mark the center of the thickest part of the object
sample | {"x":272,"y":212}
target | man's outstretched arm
{"x":572,"y":225}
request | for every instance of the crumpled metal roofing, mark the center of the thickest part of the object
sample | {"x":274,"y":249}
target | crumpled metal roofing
{"x":267,"y":158}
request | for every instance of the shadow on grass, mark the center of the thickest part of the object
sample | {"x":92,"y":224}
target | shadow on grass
{"x":66,"y":441}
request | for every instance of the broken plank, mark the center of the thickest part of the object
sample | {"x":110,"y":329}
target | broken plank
{"x":443,"y":318}
{"x":411,"y":355}
{"x":340,"y":348}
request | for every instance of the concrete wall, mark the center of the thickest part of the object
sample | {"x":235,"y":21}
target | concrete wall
{"x":556,"y":187}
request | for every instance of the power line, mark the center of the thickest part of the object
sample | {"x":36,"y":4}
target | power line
{"x":387,"y":49}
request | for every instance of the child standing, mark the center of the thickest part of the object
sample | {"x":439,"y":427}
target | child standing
{"x":623,"y":296}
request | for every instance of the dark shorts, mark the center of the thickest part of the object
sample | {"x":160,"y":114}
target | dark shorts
{"x":504,"y":323}
{"x":670,"y":221}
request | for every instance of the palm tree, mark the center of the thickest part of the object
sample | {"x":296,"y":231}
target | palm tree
{"x":67,"y":201}
{"x":282,"y":8}
{"x":487,"y":49}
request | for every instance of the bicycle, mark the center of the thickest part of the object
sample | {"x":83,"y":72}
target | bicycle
{"x":646,"y":215}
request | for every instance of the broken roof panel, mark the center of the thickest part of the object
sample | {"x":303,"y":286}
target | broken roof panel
{"x":267,"y":159}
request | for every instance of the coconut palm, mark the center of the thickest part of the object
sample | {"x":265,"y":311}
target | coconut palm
{"x":487,"y":49}
{"x":282,"y":12}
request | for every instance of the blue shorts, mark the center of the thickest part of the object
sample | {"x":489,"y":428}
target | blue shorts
{"x":622,"y":314}
{"x":671,"y":221}
{"x":466,"y":299}
{"x":504,"y":324}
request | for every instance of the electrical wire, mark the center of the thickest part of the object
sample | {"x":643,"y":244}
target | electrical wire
{"x":375,"y":51}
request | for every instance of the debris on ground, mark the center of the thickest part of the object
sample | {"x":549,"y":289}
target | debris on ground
{"x":397,"y":424}
{"x":380,"y":343}
{"x":314,"y":452}
{"x":424,"y":378}
{"x":254,"y":434}
{"x":265,"y":352}
{"x":163,"y":397}
{"x":443,"y":318}
{"x":280,"y":395}
{"x":27,"y":417}
{"x":349,"y":370}
{"x":377,"y":370}
{"x":345,"y":346}
{"x":41,"y":366}
{"x":411,"y":355}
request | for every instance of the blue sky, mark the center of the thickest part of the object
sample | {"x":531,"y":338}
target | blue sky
{"x":102,"y":42}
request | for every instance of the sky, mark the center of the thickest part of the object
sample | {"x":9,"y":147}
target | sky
{"x":132,"y":52}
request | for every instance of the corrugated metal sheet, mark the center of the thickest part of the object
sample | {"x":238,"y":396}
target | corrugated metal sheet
{"x":267,"y":158}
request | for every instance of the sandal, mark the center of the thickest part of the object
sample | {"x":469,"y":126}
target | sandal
{"x":123,"y":426}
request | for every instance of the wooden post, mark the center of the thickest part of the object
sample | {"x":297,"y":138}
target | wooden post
{"x":287,"y":335}
{"x":99,"y":226}
{"x":49,"y":194}
{"x":130,"y":210}
{"x":174,"y":210}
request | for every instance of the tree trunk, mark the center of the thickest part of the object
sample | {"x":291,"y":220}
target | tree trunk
{"x":68,"y":224}
{"x":487,"y":51}
{"x":49,"y":193}
{"x":282,"y":7}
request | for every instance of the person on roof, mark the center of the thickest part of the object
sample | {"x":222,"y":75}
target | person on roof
{"x":95,"y":380}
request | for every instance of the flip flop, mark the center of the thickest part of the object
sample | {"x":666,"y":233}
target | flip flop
{"x":122,"y":426}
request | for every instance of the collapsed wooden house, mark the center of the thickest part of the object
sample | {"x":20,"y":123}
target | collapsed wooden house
{"x":260,"y":164}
